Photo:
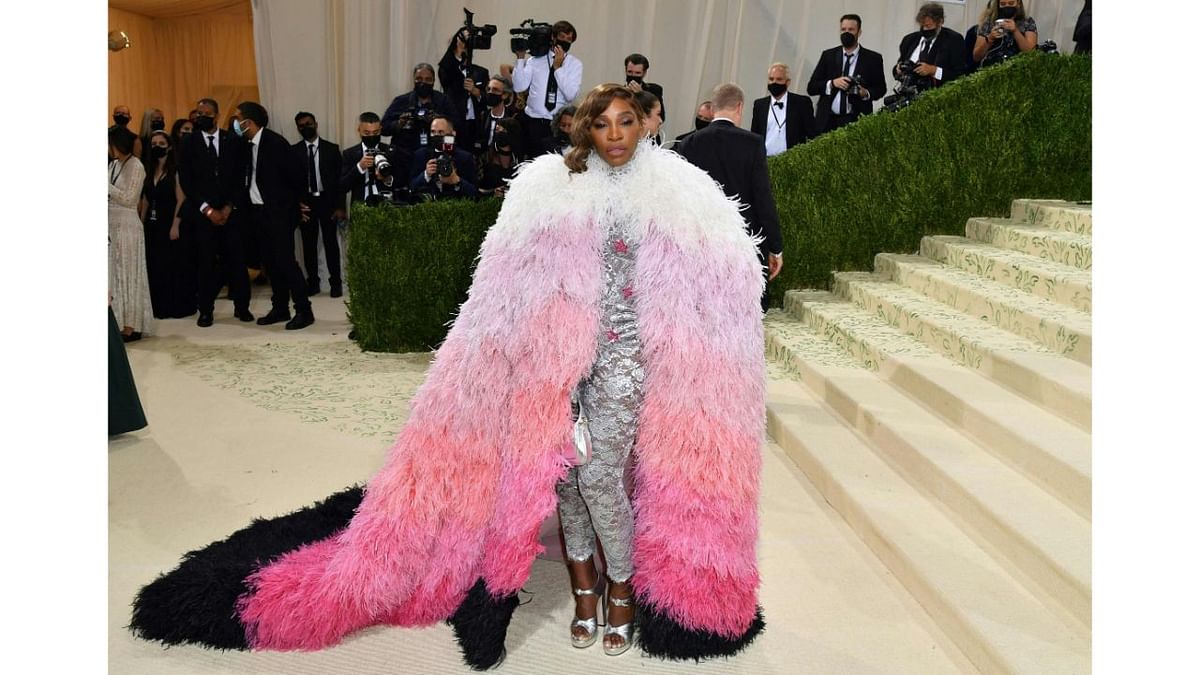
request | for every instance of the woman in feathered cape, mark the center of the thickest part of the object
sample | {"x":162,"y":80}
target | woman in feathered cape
{"x":448,"y":528}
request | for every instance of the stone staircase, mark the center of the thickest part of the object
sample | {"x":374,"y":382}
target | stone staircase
{"x":942,"y":404}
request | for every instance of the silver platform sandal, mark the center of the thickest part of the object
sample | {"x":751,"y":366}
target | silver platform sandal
{"x":587,"y":624}
{"x":624,"y":631}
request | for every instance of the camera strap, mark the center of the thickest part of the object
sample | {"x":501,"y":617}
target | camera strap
{"x":551,"y":85}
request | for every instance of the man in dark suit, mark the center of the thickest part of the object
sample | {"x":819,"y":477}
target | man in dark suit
{"x":273,"y":190}
{"x":782,"y":119}
{"x":636,"y":66}
{"x":322,"y":203}
{"x":935,"y":51}
{"x":360,"y":177}
{"x":496,"y":109}
{"x":737,"y":159}
{"x":704,"y":116}
{"x":406,"y":120}
{"x":461,"y":182}
{"x":846,"y":79}
{"x":212,"y":177}
{"x":464,"y":83}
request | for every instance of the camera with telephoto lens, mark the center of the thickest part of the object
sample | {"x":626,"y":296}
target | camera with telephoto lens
{"x":416,"y":119}
{"x":382,"y":165}
{"x":907,"y":88}
{"x":477,"y":37}
{"x":445,"y":156}
{"x":532,"y":36}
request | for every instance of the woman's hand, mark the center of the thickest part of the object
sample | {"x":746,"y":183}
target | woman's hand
{"x":1008,"y":25}
{"x":175,"y":230}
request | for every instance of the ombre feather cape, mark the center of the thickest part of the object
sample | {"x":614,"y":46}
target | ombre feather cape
{"x":448,"y":529}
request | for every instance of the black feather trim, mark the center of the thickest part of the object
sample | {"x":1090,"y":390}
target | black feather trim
{"x":196,"y":602}
{"x":481,"y":624}
{"x":660,"y":635}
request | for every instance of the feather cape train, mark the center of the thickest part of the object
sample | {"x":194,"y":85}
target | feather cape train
{"x":448,"y":528}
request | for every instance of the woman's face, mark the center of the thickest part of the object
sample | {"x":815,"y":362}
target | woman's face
{"x":654,"y":120}
{"x":616,"y":131}
{"x":185,"y":128}
{"x":159,"y":141}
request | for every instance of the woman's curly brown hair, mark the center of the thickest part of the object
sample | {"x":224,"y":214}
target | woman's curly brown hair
{"x":594,"y":105}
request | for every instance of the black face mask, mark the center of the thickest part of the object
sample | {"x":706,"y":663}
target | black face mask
{"x":203,"y":123}
{"x":158,"y":152}
{"x":928,"y":33}
{"x":121,"y":120}
{"x":370,"y":141}
{"x":848,"y":40}
{"x":157,"y":125}
{"x":701,"y":123}
{"x":492,"y":100}
{"x":631,"y":78}
{"x":502,"y":143}
{"x":423,"y":89}
{"x":308,"y":132}
{"x":1007,"y":12}
{"x":184,"y":134}
{"x":435,"y":141}
{"x":777,"y":88}
{"x":566,"y":46}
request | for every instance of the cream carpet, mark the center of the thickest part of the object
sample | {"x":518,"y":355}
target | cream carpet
{"x":248,"y":421}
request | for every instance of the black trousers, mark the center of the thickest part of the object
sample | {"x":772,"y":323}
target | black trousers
{"x":277,"y":242}
{"x":535,"y":131}
{"x":320,"y":220}
{"x":837,"y":121}
{"x":220,"y":247}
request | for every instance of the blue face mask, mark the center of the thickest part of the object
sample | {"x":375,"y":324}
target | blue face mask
{"x":238,"y":128}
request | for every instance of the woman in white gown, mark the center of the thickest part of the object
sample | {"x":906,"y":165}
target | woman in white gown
{"x":128,"y":284}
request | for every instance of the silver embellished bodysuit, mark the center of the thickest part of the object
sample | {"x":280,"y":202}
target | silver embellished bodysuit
{"x":592,"y":500}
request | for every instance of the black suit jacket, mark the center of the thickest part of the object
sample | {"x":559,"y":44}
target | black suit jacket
{"x":278,"y":177}
{"x":464,"y":165}
{"x":829,"y":67}
{"x":203,"y":181}
{"x":737,"y":159}
{"x":409,"y":139}
{"x":329,"y":167}
{"x":450,"y":74}
{"x":354,"y":182}
{"x":946,"y":53}
{"x":800,"y":123}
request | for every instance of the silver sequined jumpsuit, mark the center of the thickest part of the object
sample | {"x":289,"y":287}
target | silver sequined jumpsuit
{"x":592,"y":500}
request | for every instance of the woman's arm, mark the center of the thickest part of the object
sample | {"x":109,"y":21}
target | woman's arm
{"x":128,"y":186}
{"x":178,"y":205}
{"x":982,"y":42}
{"x":1025,"y":41}
{"x":142,"y":204}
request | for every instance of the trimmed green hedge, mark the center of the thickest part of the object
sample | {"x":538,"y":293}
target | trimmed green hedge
{"x":1021,"y":129}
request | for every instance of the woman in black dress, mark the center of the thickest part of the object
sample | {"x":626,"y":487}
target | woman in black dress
{"x":169,"y":246}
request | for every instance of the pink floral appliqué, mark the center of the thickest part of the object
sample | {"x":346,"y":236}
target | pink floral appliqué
{"x":627,"y":292}
{"x":612,"y":335}
{"x":621,"y":247}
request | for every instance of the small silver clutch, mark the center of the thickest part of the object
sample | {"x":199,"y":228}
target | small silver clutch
{"x":581,"y":435}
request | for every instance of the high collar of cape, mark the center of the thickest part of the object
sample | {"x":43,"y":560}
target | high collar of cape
{"x":448,"y":528}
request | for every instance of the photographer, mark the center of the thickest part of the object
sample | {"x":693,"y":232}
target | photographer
{"x":443,"y":171}
{"x":933,"y":55}
{"x":500,"y":159}
{"x":406,"y":120}
{"x":847,"y":79}
{"x":1003,"y":31}
{"x":636,"y":66}
{"x":463,"y":83}
{"x":363,"y":176}
{"x":551,"y":80}
{"x":497,"y":98}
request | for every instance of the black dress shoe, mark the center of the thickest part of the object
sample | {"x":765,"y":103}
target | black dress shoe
{"x":314,"y":287}
{"x":335,"y":290}
{"x":243,"y":315}
{"x":205,"y":320}
{"x":274,"y":316}
{"x":302,"y":320}
{"x":132,"y":337}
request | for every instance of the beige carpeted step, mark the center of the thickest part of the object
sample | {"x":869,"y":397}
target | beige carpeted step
{"x":1054,"y":214}
{"x":1000,"y":624}
{"x":1067,"y":248}
{"x":1028,"y":527}
{"x":1044,"y":278}
{"x":1048,"y":379}
{"x":1059,"y":328}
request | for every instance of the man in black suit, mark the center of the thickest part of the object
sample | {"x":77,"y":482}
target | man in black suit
{"x":212,"y":178}
{"x":460,"y":183}
{"x":496,"y":109}
{"x":636,"y":66}
{"x":407,"y":119}
{"x":737,"y":159}
{"x":846,"y":79}
{"x":782,"y":119}
{"x":704,"y":116}
{"x":322,"y":203}
{"x":360,"y":177}
{"x":464,"y":83}
{"x":935,"y":51}
{"x":273,"y":189}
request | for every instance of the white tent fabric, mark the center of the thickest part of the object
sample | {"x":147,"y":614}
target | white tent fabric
{"x":337,"y":58}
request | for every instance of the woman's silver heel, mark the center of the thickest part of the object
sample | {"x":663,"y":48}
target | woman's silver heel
{"x":624,"y":631}
{"x":587,"y":624}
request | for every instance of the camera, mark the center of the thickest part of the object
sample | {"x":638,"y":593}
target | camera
{"x":532,"y":36}
{"x":477,"y":37}
{"x":382,"y":165}
{"x":415,"y":118}
{"x":907,"y":88}
{"x":445,"y":157}
{"x":855,"y":88}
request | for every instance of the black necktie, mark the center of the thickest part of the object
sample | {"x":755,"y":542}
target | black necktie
{"x":844,"y":107}
{"x":925,"y":46}
{"x":212,"y":152}
{"x":551,"y":91}
{"x":312,"y":169}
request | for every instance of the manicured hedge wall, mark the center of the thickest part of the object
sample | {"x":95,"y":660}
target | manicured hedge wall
{"x":1022,"y":129}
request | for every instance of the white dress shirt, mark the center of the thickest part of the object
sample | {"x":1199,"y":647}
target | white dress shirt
{"x":314,"y":146}
{"x":916,"y":55}
{"x":255,"y":195}
{"x":532,"y":74}
{"x":776,"y":126}
{"x":829,"y":89}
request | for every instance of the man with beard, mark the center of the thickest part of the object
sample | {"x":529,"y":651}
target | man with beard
{"x":846,"y":79}
{"x":935,"y":52}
